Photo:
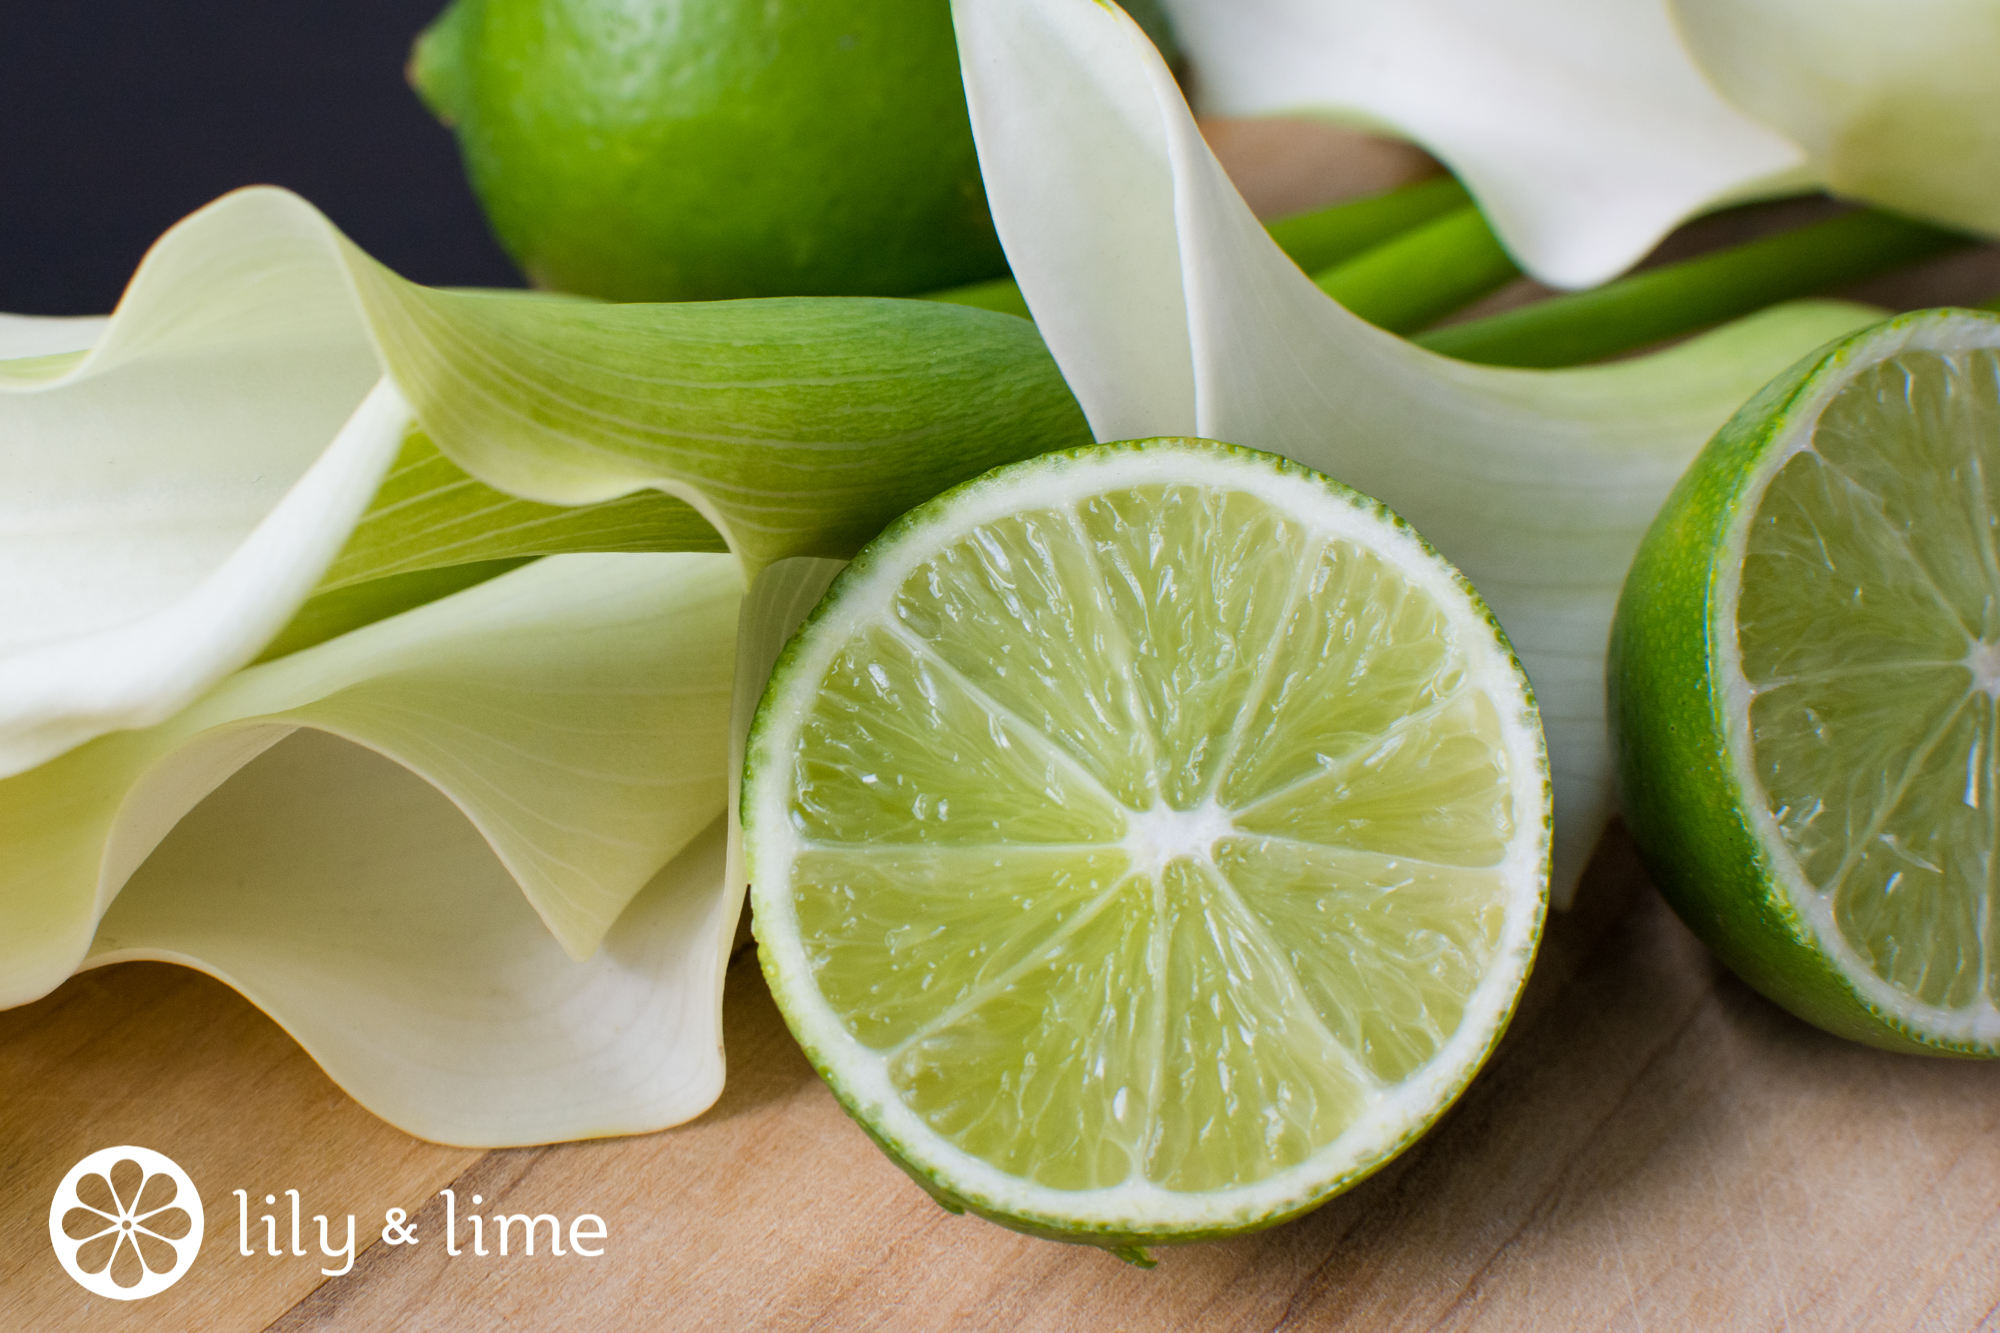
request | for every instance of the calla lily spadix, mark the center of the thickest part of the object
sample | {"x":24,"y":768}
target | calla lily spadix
{"x":1172,"y":312}
{"x":374,"y":648}
{"x":1588,"y":128}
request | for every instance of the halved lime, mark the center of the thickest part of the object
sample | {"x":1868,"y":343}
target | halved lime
{"x":1148,"y":841}
{"x":1804,"y":671}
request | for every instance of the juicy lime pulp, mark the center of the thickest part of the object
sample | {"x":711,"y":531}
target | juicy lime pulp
{"x":1147,"y":841}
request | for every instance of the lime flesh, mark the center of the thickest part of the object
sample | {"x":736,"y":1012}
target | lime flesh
{"x":1147,"y":842}
{"x":1836,"y":551}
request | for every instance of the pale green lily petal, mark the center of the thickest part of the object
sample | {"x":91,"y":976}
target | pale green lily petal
{"x":1537,"y":484}
{"x":429,"y":513}
{"x":576,"y":710}
{"x":780,"y":599}
{"x":432,"y":530}
{"x":572,"y":719}
{"x":126,"y":590}
{"x":49,"y":335}
{"x":794,"y":426}
{"x":408,"y":966}
{"x":1896,"y":104}
{"x":1582,"y":126}
{"x":228,"y":470}
{"x":174,"y":494}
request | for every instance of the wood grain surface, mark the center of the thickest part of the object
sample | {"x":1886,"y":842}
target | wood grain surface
{"x":1653,"y":1147}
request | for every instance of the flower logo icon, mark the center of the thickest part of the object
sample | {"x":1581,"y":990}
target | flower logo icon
{"x":126,"y":1223}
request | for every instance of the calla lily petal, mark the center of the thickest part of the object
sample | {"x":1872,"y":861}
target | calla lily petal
{"x":572,"y":718}
{"x":1582,"y":127}
{"x":1894,"y":104}
{"x":1537,"y":484}
{"x":177,"y":491}
{"x":779,"y":601}
{"x":49,"y":335}
{"x":575,"y":710}
{"x":410,"y":968}
{"x":172,"y":493}
{"x":86,"y":654}
{"x":462,"y":827}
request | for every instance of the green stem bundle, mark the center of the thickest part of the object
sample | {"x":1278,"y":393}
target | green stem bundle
{"x":1318,"y":240}
{"x":1682,"y":298}
{"x":1407,"y":258}
{"x":1414,"y":280}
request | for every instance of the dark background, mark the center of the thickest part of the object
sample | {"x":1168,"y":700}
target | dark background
{"x":119,"y":117}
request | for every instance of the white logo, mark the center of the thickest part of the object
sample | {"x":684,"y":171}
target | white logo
{"x":126,"y":1223}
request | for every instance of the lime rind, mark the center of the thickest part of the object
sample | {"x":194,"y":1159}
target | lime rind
{"x":1681,"y":700}
{"x":1138,"y":1212}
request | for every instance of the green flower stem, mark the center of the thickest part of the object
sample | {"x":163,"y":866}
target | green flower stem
{"x":1409,"y":257}
{"x":1317,"y":240}
{"x":1421,"y":276}
{"x":1682,"y":298}
{"x":1329,"y":236}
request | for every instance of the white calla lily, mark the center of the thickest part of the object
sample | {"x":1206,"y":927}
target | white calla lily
{"x":1583,"y":127}
{"x":1172,"y":313}
{"x":410,"y":967}
{"x":288,"y":694}
{"x":571,"y":718}
{"x":1587,"y":129}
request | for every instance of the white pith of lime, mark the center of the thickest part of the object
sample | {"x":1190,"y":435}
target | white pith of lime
{"x":1126,"y":708}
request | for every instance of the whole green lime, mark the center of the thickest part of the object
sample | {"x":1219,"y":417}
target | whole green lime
{"x":653,"y":150}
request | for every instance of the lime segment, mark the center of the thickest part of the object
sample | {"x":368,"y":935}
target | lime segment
{"x":1147,"y":841}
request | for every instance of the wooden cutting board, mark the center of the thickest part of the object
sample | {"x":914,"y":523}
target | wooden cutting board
{"x":1653,"y":1147}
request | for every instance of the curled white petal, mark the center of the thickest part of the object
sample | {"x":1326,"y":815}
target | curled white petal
{"x":355,"y":905}
{"x":174,"y":492}
{"x":1895,"y":104}
{"x":571,"y":720}
{"x":49,"y":335}
{"x":1582,"y":126}
{"x":128,"y":602}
